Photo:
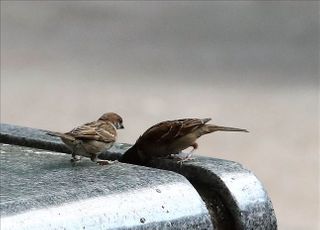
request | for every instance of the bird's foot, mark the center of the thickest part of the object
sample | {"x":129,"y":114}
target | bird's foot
{"x":105,"y":162}
{"x":182,"y":157}
{"x":181,"y":161}
{"x":75,"y":159}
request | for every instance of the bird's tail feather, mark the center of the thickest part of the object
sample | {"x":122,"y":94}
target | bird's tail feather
{"x":205,"y":120}
{"x":214,"y":128}
{"x":62,"y":135}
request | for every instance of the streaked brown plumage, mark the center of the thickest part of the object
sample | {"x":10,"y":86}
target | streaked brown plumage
{"x":170,"y":137}
{"x":91,"y":138}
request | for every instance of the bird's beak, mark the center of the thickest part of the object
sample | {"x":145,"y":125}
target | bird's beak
{"x":121,"y":126}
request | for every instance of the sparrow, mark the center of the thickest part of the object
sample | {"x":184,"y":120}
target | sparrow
{"x":170,"y":137}
{"x":92,"y":138}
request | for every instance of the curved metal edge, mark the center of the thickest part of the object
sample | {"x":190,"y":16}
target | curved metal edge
{"x":30,"y":137}
{"x":38,"y":138}
{"x":233,"y":194}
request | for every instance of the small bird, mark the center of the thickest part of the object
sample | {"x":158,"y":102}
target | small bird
{"x":92,"y":138}
{"x":170,"y":137}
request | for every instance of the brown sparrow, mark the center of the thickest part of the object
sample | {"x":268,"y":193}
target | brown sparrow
{"x":170,"y":137}
{"x":92,"y":138}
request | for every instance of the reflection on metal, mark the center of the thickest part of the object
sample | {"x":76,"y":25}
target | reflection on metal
{"x":42,"y":190}
{"x":127,"y":209}
{"x":232,"y":193}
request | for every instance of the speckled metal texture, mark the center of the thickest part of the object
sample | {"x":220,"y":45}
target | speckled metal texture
{"x":235,"y":197}
{"x":42,"y":190}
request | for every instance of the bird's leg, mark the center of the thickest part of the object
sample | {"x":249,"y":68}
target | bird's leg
{"x":75,"y":157}
{"x":194,"y":146}
{"x":189,"y":156}
{"x":180,"y":158}
{"x":94,"y":158}
{"x":104,"y":162}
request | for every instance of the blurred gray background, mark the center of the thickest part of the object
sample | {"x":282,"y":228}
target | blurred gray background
{"x":253,"y":65}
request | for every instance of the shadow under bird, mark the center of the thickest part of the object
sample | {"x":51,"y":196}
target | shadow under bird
{"x":90,"y":139}
{"x":170,"y":137}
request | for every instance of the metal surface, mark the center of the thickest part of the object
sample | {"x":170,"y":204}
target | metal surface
{"x":41,"y":190}
{"x":234,"y":197}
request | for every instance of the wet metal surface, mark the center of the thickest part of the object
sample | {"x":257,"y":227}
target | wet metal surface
{"x":42,"y":190}
{"x":242,"y":200}
{"x":234,"y":197}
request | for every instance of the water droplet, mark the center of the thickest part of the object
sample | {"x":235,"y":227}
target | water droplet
{"x":142,"y":220}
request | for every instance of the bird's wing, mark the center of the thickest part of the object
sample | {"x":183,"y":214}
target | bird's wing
{"x":97,"y":130}
{"x":168,"y":131}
